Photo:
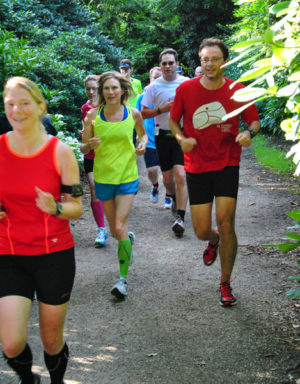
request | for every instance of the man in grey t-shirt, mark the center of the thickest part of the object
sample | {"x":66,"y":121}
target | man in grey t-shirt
{"x":161,"y":93}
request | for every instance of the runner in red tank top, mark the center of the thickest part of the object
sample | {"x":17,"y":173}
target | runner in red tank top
{"x":36,"y":245}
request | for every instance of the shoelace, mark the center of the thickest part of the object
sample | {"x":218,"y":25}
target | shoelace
{"x":226,"y":289}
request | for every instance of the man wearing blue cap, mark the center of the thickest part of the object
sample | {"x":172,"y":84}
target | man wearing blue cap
{"x":126,"y":69}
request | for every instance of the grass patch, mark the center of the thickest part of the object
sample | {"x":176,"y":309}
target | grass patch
{"x":271,"y":157}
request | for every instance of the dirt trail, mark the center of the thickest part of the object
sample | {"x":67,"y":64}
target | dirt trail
{"x":171,"y":328}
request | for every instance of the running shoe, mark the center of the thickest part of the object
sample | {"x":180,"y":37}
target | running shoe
{"x":178,"y":227}
{"x":131,"y":236}
{"x":119,"y":290}
{"x":211,"y":252}
{"x":154,"y":195}
{"x":168,"y":203}
{"x":227,"y":299}
{"x":36,"y":379}
{"x":102,"y":235}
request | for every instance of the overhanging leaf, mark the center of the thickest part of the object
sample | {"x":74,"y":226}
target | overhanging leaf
{"x":241,"y":109}
{"x":293,"y":235}
{"x":295,"y":76}
{"x":284,"y":5}
{"x":294,"y":214}
{"x":293,"y":293}
{"x":287,"y":91}
{"x":245,"y":44}
{"x":297,"y":278}
{"x":249,"y":93}
{"x":253,"y":73}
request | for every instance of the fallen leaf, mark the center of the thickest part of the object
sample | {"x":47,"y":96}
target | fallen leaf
{"x":253,"y":203}
{"x":152,"y":354}
{"x":269,"y":354}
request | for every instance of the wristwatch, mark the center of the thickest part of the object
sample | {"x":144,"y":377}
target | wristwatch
{"x":158,"y":111}
{"x":59,"y":208}
{"x":252,"y":133}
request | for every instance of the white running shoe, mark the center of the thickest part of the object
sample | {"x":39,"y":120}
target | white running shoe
{"x":119,"y":290}
{"x":102,"y":235}
{"x":178,"y":227}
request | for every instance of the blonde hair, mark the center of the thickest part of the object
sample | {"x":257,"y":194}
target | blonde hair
{"x":124,"y":83}
{"x":31,"y":88}
{"x":91,"y":78}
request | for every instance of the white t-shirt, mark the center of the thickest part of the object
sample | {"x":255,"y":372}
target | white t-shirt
{"x":158,"y":92}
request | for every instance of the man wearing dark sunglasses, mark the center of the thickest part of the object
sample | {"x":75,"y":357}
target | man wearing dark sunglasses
{"x":161,"y":93}
{"x":212,"y":148}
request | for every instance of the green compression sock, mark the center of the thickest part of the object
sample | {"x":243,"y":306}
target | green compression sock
{"x":124,"y":255}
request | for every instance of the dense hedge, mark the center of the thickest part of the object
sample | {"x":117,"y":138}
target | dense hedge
{"x":55,"y":43}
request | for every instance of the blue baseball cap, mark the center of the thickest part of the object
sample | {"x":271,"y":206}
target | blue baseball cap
{"x":125,"y":64}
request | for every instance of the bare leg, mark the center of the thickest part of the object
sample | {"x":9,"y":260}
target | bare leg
{"x":225,"y":214}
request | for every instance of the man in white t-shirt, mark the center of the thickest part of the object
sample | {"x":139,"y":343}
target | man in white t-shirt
{"x":161,"y":93}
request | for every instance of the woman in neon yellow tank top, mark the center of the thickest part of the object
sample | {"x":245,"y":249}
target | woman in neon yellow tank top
{"x":115,"y":167}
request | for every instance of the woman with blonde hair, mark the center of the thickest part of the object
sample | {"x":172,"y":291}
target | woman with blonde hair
{"x":36,"y":244}
{"x":115,"y":165}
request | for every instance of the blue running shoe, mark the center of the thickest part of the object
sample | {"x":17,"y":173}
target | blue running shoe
{"x":154,"y":195}
{"x":100,"y":240}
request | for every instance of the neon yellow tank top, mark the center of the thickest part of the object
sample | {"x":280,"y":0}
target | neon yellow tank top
{"x":115,"y":157}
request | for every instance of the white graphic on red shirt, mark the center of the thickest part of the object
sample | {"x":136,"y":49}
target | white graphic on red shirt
{"x":208,"y":114}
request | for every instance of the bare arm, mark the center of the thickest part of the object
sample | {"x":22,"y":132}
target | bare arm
{"x":186,"y":143}
{"x":89,"y":142}
{"x":147,"y":113}
{"x":68,"y":166}
{"x":140,"y":130}
{"x":244,"y":138}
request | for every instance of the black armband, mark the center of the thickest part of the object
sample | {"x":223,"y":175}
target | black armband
{"x":75,"y":190}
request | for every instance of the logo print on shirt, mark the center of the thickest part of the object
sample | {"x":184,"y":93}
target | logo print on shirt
{"x":55,"y":240}
{"x":208,"y":114}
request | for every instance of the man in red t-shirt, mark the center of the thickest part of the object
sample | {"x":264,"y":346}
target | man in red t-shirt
{"x":212,"y":149}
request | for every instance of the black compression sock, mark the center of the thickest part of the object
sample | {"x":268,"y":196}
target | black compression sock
{"x":181,"y":213}
{"x":57,"y":364}
{"x":22,"y":364}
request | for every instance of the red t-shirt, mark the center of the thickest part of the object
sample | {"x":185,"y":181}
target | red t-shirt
{"x":84,"y":110}
{"x":26,"y":230}
{"x":202,"y":112}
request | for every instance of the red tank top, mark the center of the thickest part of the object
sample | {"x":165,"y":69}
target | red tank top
{"x":26,"y":230}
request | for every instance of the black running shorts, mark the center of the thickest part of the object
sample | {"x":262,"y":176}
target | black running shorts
{"x":51,"y":276}
{"x":203,"y":187}
{"x":88,"y":165}
{"x":168,"y":150}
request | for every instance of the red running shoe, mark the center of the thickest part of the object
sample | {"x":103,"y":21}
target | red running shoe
{"x":211,"y":252}
{"x":227,"y":299}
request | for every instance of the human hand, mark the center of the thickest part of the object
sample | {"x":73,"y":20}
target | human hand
{"x":94,"y":142}
{"x":187,"y":144}
{"x":166,"y":107}
{"x":140,"y":149}
{"x":244,"y":139}
{"x":45,"y":201}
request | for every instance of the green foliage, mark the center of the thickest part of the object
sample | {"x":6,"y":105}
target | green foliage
{"x":274,"y":59}
{"x":276,"y":67}
{"x":289,"y":246}
{"x":272,"y":157}
{"x":56,"y":44}
{"x":144,"y":28}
